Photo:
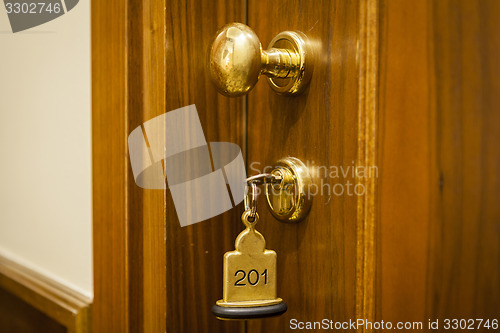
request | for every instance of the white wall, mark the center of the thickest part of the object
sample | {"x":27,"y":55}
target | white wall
{"x":45,"y":147}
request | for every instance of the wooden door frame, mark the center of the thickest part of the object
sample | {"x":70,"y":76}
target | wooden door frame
{"x":367,"y":156}
{"x":127,"y":269}
{"x":119,"y":46}
{"x":110,"y":168}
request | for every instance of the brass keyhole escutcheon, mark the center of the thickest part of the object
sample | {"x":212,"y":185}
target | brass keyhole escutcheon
{"x":236,"y":61}
{"x":290,"y":200}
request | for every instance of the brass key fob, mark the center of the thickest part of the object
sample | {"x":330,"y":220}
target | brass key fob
{"x":249,"y":289}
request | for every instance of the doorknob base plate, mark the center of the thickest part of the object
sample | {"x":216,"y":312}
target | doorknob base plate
{"x":297,"y":43}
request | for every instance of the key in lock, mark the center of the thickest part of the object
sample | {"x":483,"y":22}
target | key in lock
{"x":249,"y":289}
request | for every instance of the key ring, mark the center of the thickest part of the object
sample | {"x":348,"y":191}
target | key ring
{"x":265,"y":178}
{"x":251,"y":201}
{"x":252,"y":182}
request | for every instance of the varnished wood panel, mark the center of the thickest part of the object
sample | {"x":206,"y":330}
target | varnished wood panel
{"x":319,"y":259}
{"x":439,"y":132}
{"x":368,"y":71}
{"x":432,"y":225}
{"x":110,"y":166}
{"x":194,"y":253}
{"x":128,"y":77}
{"x":32,"y":302}
{"x":146,"y":68}
{"x":150,"y":274}
{"x":17,"y":316}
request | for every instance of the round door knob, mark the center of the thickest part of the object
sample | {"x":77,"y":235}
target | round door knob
{"x":236,"y":61}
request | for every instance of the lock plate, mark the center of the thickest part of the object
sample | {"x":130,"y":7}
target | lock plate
{"x":290,"y":200}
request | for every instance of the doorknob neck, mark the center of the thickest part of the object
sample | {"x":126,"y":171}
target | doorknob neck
{"x":280,"y":63}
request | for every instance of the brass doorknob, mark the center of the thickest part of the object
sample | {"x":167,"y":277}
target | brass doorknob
{"x":236,"y":61}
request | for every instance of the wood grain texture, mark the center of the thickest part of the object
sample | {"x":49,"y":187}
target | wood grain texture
{"x":28,"y":298}
{"x":427,"y":227}
{"x":110,"y":166}
{"x":194,"y":253}
{"x":317,"y":258}
{"x":150,"y":274}
{"x":17,"y":316}
{"x":154,"y":218}
{"x":367,"y":156}
{"x":439,"y":132}
{"x":146,"y":69}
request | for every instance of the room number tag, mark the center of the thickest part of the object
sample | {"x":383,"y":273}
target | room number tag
{"x":249,"y":270}
{"x":249,"y":285}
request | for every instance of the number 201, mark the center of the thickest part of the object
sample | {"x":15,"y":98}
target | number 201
{"x":253,"y":277}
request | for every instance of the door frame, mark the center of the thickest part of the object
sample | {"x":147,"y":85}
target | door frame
{"x":110,"y":168}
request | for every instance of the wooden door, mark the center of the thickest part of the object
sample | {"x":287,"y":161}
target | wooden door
{"x":322,"y":260}
{"x":388,"y":94}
